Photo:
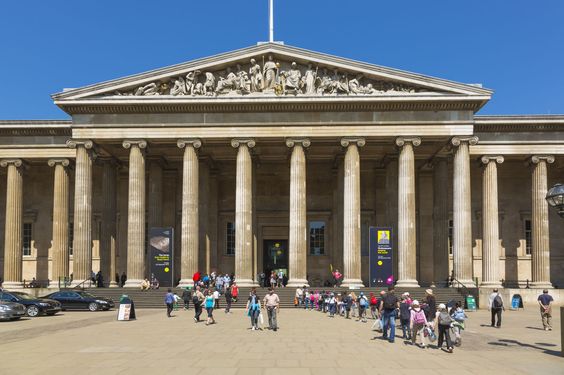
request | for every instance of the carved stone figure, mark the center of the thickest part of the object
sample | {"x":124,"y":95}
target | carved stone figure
{"x":354,"y":85}
{"x":310,"y":77}
{"x":370,"y":90}
{"x":148,"y":90}
{"x":209,"y":85}
{"x":291,"y":80}
{"x":243,"y":82}
{"x":191,"y":80}
{"x":229,"y":83}
{"x":325,"y":83}
{"x":256,"y":76}
{"x":269,"y":70}
{"x":178,"y":87}
{"x":340,"y":83}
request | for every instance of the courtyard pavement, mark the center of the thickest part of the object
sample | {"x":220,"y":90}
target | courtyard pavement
{"x":307,"y":342}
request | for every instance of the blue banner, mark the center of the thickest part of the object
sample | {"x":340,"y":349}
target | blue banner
{"x":161,"y":247}
{"x":381,"y":256}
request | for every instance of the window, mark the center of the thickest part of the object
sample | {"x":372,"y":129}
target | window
{"x":27,"y":239}
{"x":230,"y":239}
{"x":528,"y":236}
{"x":317,"y":238}
{"x":450,"y":226}
{"x":71,"y":237}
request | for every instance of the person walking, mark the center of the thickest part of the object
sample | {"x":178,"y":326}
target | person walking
{"x":235,"y":291}
{"x":209,"y":303}
{"x":216,"y":296}
{"x":197,"y":300}
{"x":405,"y":317}
{"x":388,"y":309}
{"x":430,"y":305}
{"x":459,"y":316}
{"x":228,"y":300}
{"x":123,"y":279}
{"x":272,"y":304}
{"x":299,"y":296}
{"x":373,"y":306}
{"x":545,"y":302}
{"x":347,"y":302}
{"x":253,"y":308}
{"x":444,"y":322}
{"x":186,"y":297}
{"x":495,"y":306}
{"x":418,"y":322}
{"x":169,"y":300}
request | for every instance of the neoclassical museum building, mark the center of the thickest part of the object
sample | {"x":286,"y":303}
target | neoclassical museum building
{"x":274,"y":157}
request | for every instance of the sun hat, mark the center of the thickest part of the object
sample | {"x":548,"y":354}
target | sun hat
{"x":415,"y":303}
{"x":442,"y":306}
{"x":429,"y":291}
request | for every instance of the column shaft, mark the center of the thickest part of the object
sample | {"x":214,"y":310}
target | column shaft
{"x":108,"y":236}
{"x":14,"y":223}
{"x":60,"y":246}
{"x":490,"y":223}
{"x":440,"y":225}
{"x":154,"y":202}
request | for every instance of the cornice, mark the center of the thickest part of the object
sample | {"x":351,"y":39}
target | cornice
{"x":519,"y":123}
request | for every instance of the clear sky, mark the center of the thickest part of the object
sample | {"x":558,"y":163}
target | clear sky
{"x":513,"y":47}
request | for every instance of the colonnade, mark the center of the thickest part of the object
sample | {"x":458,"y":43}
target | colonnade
{"x":407,"y":231}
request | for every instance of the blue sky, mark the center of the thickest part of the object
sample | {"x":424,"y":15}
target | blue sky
{"x":512,"y":47}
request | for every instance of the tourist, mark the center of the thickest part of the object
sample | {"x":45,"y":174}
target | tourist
{"x":354,"y":305}
{"x":444,"y":323}
{"x":545,"y":302}
{"x":362,"y":306}
{"x":430,"y":305}
{"x":145,"y":285}
{"x":196,"y":278}
{"x":459,"y":317}
{"x":405,"y":317}
{"x":235,"y":291}
{"x":262,"y":279}
{"x":373,"y":306}
{"x":216,"y":298}
{"x":197,"y":300}
{"x":418,"y":322}
{"x":228,"y":300}
{"x":123,"y":279}
{"x":272,"y":305}
{"x":169,"y":300}
{"x":332,"y":305}
{"x":154,"y":282}
{"x":388,"y":310}
{"x":226,"y":281}
{"x":273,"y":279}
{"x":219,"y":283}
{"x":299,"y":296}
{"x":99,"y":280}
{"x":209,"y":302}
{"x":186,"y":296}
{"x":337,"y":277}
{"x":307,"y":296}
{"x":253,"y":308}
{"x":280,"y":279}
{"x":347,"y":302}
{"x":407,"y":298}
{"x":495,"y":306}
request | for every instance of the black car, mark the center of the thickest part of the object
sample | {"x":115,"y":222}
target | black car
{"x":78,"y":300}
{"x":33,"y":306}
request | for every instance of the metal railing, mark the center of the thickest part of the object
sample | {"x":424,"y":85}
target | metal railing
{"x":83,"y":284}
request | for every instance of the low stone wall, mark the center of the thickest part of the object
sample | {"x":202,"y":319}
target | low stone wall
{"x":529,"y":296}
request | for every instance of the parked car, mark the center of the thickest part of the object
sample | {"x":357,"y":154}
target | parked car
{"x":11,"y":310}
{"x":78,"y":300}
{"x":33,"y":306}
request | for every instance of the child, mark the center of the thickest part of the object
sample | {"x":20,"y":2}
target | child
{"x":405,"y":316}
{"x":418,"y":321}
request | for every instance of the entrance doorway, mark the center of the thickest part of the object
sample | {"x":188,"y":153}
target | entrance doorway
{"x":275,"y":258}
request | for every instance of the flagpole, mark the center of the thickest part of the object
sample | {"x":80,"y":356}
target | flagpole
{"x":271,"y":18}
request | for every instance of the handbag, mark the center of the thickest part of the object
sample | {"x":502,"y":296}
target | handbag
{"x":377,"y":326}
{"x":430,"y":334}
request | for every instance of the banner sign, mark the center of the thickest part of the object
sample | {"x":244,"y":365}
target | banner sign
{"x":381,"y":256}
{"x":124,"y":311}
{"x":161,"y":251}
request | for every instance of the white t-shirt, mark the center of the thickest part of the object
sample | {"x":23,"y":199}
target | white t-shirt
{"x":216,"y":295}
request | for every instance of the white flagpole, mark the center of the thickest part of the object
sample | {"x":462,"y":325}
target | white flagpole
{"x":271,"y":29}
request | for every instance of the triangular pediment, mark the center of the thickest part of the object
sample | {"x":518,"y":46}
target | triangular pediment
{"x":270,"y":71}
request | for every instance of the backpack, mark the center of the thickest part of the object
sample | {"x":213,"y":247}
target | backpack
{"x":445,"y":319}
{"x":195,"y":300}
{"x":363,"y":301}
{"x":389,"y":302}
{"x":373,"y":301}
{"x":419,"y":317}
{"x":497,"y":302}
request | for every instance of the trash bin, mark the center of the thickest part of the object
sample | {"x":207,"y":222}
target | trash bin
{"x":516,"y":302}
{"x":470,"y":303}
{"x":126,"y":309}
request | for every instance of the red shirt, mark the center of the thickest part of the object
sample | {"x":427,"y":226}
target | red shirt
{"x":235,"y":291}
{"x":196,"y":276}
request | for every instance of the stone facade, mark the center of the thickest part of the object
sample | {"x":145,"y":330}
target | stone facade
{"x":296,"y":172}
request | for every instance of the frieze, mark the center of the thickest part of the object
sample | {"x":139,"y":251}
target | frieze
{"x":271,"y":78}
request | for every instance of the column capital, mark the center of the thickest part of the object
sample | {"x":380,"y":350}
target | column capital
{"x":15,"y":162}
{"x":536,"y":159}
{"x":304,"y":142}
{"x":486,"y":159}
{"x":347,"y":141}
{"x":249,"y":142}
{"x":141,"y":143}
{"x":63,"y":162}
{"x":192,"y":142}
{"x":401,"y":141}
{"x":457,"y":141}
{"x":74,"y":143}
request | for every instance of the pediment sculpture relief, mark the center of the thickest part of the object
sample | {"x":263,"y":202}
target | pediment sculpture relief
{"x":272,"y":78}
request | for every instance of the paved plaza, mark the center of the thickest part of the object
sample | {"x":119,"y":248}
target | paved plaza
{"x":307,"y":343}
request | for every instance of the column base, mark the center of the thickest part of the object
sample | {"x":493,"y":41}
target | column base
{"x":296,"y":283}
{"x":466,"y":283}
{"x":113,"y":284}
{"x":12,"y":285}
{"x":245,"y":283}
{"x":352,"y":283}
{"x":490,"y":284}
{"x":407,"y":284}
{"x":541,"y":285}
{"x":185,"y":282}
{"x":133,"y":283}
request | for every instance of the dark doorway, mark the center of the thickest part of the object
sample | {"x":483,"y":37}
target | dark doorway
{"x":275,"y":255}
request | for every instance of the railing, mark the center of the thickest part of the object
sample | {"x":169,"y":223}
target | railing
{"x":460,"y":287}
{"x":83,"y":284}
{"x":64,"y":282}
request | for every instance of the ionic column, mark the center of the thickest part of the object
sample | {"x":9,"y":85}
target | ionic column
{"x":298,"y":213}
{"x":136,"y":213}
{"x":490,"y":223}
{"x":190,"y":215}
{"x":244,"y":213}
{"x":540,"y":254}
{"x":82,"y":233}
{"x":462,"y":215}
{"x":14,"y":223}
{"x":440,"y":222}
{"x":108,"y":236}
{"x":407,"y":257}
{"x":60,"y":246}
{"x":351,"y":213}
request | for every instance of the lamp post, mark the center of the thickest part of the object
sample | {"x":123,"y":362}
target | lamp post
{"x":555,"y":198}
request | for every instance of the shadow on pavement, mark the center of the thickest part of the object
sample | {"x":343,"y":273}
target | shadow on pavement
{"x":516,"y":343}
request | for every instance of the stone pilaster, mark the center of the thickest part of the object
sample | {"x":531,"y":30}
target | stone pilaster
{"x":407,"y":232}
{"x":14,"y":223}
{"x":351,"y":213}
{"x":108,"y":238}
{"x":60,"y":245}
{"x":154,"y":201}
{"x":298,"y":213}
{"x":440,"y":222}
{"x":190,"y":214}
{"x":136,"y":213}
{"x":244,"y":213}
{"x":540,"y":254}
{"x":462,"y":215}
{"x":491,"y":277}
{"x":82,"y":233}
